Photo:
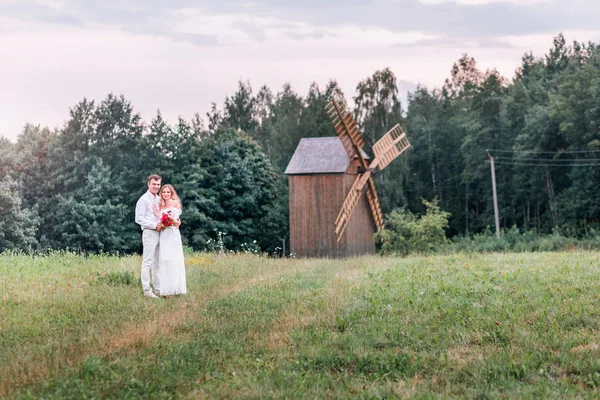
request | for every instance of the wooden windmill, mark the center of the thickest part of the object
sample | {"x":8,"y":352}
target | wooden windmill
{"x":390,"y":146}
{"x":329,"y":215}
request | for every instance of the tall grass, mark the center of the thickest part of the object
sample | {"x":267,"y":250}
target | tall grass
{"x":455,"y":326}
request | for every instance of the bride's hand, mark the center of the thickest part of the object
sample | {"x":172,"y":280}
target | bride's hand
{"x":155,"y":210}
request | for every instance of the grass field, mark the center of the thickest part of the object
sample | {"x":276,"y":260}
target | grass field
{"x":459,"y":326}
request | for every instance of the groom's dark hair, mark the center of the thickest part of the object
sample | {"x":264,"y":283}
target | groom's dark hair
{"x":154,"y":178}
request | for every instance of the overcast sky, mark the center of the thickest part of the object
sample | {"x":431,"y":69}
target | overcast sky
{"x":180,"y":55}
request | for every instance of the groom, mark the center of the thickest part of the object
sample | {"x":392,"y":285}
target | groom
{"x":151,"y":228}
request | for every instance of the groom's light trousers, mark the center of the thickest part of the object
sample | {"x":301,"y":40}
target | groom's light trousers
{"x":150,"y":241}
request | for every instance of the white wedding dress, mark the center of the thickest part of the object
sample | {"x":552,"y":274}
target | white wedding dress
{"x":171,"y":269}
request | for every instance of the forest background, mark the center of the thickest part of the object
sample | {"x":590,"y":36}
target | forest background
{"x":75,"y":187}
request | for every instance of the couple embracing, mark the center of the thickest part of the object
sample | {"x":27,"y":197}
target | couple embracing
{"x":157,"y":212}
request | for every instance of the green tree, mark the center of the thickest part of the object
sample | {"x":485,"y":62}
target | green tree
{"x":239,"y":109}
{"x":435,"y":163}
{"x":577,"y":106}
{"x":83,"y":227}
{"x":285,"y":124}
{"x":31,"y":170}
{"x":18,"y":225}
{"x":92,"y":219}
{"x":313,"y":120}
{"x":264,"y":133}
{"x":8,"y":157}
{"x":376,"y":105}
{"x":234,"y":193}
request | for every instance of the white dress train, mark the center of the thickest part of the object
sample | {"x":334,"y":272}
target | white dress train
{"x":171,"y":270}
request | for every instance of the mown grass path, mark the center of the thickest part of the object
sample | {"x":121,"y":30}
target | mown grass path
{"x":460,"y":326}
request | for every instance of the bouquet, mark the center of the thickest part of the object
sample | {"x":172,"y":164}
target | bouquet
{"x":166,"y":219}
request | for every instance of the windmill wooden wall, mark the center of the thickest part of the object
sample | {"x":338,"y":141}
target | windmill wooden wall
{"x":320,"y":176}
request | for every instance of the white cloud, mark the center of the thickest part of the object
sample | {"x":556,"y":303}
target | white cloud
{"x":193,"y":58}
{"x":482,"y":2}
{"x":540,"y":43}
{"x":233,"y":30}
{"x":57,"y":5}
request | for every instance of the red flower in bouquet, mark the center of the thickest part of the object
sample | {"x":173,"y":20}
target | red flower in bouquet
{"x":166,"y":219}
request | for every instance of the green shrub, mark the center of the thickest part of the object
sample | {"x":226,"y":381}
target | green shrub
{"x":407,"y":233}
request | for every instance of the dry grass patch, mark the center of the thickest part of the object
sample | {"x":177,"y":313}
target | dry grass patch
{"x":23,"y":371}
{"x":279,"y":335}
{"x":584,"y":348}
{"x":466,"y":354}
{"x":136,"y":334}
{"x":351,"y":274}
{"x":334,"y":299}
{"x":402,"y":389}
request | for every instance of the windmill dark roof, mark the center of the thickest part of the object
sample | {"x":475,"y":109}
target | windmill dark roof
{"x":323,"y":155}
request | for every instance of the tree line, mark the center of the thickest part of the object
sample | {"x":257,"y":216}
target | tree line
{"x":75,"y":187}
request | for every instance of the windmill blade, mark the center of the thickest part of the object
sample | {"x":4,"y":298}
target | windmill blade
{"x":345,"y":127}
{"x":374,"y":204}
{"x":352,"y":199}
{"x":350,"y":203}
{"x":390,"y":146}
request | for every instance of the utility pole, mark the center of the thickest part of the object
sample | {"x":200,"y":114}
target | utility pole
{"x":495,"y":197}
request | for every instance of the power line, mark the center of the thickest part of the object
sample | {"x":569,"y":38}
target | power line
{"x":546,"y":165}
{"x":548,"y":159}
{"x":543,"y":152}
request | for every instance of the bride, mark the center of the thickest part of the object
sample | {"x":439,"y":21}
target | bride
{"x":171,"y":270}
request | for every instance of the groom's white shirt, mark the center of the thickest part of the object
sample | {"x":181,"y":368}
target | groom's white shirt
{"x":144,"y":214}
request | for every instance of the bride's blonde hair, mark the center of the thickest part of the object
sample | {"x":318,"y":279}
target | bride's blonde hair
{"x":174,"y":197}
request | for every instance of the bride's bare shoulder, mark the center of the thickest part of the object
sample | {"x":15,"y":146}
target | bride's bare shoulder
{"x":175,"y":203}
